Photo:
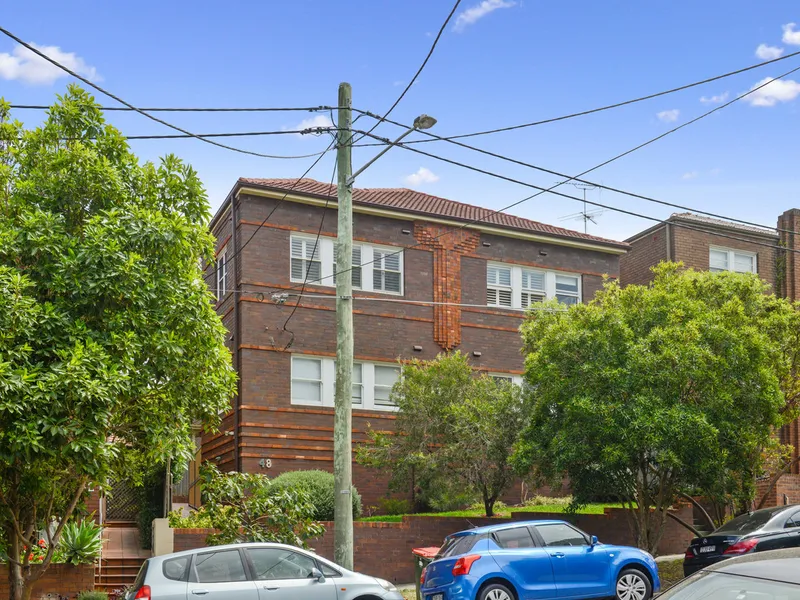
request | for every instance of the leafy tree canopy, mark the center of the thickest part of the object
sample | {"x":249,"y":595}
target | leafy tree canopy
{"x":109,"y":345}
{"x":649,"y":390}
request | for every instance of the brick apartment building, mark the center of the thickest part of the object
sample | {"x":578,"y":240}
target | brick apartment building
{"x":705,"y":243}
{"x":283,"y":415}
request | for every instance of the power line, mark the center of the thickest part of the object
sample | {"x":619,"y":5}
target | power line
{"x":608,"y":107}
{"x":615,"y":158}
{"x":182,"y":109}
{"x":419,"y":71}
{"x":120,"y":100}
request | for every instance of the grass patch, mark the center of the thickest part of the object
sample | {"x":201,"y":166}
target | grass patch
{"x":382,"y":519}
{"x":501,"y":512}
{"x":670,"y":572}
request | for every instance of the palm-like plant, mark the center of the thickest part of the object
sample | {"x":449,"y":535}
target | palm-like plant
{"x":81,"y":542}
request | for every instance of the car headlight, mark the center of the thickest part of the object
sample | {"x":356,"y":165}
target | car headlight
{"x":389,"y":587}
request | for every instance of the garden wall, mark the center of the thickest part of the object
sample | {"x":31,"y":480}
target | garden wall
{"x":384,"y":549}
{"x":66,"y":580}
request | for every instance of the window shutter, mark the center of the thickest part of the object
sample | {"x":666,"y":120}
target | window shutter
{"x":504,"y":297}
{"x":357,"y":267}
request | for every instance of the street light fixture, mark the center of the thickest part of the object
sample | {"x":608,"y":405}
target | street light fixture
{"x":420,"y":123}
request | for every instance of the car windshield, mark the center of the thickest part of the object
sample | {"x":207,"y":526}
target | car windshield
{"x":749,"y":522}
{"x":459,"y":544}
{"x":724,"y":586}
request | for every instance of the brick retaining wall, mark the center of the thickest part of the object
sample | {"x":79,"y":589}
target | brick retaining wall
{"x":384,"y":549}
{"x":63,"y":579}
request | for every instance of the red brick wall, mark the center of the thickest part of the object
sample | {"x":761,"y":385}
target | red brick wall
{"x":647,"y":251}
{"x":66,"y":580}
{"x":384,"y":549}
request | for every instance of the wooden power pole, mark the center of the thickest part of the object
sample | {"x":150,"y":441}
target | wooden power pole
{"x":343,"y":417}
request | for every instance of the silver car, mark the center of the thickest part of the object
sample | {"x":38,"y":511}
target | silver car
{"x":253,"y":572}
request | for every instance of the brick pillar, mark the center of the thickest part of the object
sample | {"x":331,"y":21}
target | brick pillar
{"x":788,"y":284}
{"x":448,"y":244}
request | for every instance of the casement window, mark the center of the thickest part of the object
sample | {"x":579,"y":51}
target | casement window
{"x":306,"y":262}
{"x":498,"y":286}
{"x":726,"y":259}
{"x":510,"y":286}
{"x":314,"y":383}
{"x":222,"y":274}
{"x":375,"y":268}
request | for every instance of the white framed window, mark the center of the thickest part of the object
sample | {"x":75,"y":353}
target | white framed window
{"x":375,"y":268}
{"x":306,"y":380}
{"x":222,"y":274}
{"x":314,"y":383}
{"x":511,"y":286}
{"x":498,"y":286}
{"x":727,"y":259}
{"x":506,"y":377}
{"x":306,"y":262}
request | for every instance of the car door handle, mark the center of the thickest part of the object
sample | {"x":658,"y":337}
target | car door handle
{"x":199,"y":592}
{"x":558,"y":554}
{"x":271,"y":589}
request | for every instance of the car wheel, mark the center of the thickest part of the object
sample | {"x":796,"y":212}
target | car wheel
{"x":632,"y":584}
{"x":496,"y":591}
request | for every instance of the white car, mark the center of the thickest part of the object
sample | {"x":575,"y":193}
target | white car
{"x":253,"y":572}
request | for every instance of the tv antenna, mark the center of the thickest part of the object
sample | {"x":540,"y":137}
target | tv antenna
{"x":584,"y":215}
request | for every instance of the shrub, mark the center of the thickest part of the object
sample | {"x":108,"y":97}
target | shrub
{"x":548,"y":501}
{"x":197,"y":519}
{"x":81,"y":542}
{"x":395,"y":506}
{"x":319,"y":487}
{"x":93,"y":596}
{"x":499,"y":507}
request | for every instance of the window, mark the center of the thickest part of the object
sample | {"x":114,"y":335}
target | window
{"x":459,"y":544}
{"x":177,"y":569}
{"x":306,"y":263}
{"x":510,"y":286}
{"x":532,"y":287}
{"x":219,"y":567}
{"x":793,"y":521}
{"x":386,"y":273}
{"x":329,"y":571}
{"x":355,"y":274}
{"x":306,"y":380}
{"x":516,"y":537}
{"x":385,"y":378}
{"x":561,"y":535}
{"x":222,"y":274}
{"x":277,"y":563}
{"x":738,"y":261}
{"x":498,"y":286}
{"x":314,"y":383}
{"x":567,"y":289}
{"x":374,"y":269}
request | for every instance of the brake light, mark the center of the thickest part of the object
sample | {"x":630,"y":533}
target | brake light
{"x":689,"y":553}
{"x":742,"y":547}
{"x":143,"y":593}
{"x":464,"y":564}
{"x":422,"y":577}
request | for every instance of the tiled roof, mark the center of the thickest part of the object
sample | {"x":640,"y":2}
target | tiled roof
{"x":703,"y":220}
{"x":406,"y":200}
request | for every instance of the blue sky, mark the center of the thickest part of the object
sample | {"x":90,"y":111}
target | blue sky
{"x":503,"y":63}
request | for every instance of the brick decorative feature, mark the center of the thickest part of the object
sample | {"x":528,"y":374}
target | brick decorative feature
{"x":448,"y":244}
{"x":384,"y":549}
{"x":61,"y":579}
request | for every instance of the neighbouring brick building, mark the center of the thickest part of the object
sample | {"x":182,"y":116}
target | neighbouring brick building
{"x":416,"y":250}
{"x":705,"y":243}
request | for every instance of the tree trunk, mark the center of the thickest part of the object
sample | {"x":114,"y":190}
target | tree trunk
{"x":17,"y":584}
{"x":488,"y":503}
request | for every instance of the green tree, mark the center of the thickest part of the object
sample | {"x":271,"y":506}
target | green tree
{"x":450,"y":423}
{"x":245,"y":507}
{"x":651,"y":390}
{"x":109,"y":345}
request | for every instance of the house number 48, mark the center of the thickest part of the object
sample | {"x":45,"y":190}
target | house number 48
{"x":265,"y":463}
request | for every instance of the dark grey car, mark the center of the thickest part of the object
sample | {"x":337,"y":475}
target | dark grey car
{"x":253,"y":572}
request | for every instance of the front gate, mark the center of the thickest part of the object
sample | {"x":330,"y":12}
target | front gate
{"x":122,"y":503}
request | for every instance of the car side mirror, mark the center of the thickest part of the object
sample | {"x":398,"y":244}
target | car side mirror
{"x":595,"y":541}
{"x":317,"y":574}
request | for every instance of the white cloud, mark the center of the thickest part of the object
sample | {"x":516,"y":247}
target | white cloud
{"x":24,"y":65}
{"x":477,"y":12}
{"x":690,"y":175}
{"x":398,"y":83}
{"x":422,"y":175}
{"x":669,"y":116}
{"x":765,"y":52}
{"x":718,"y":99}
{"x":779,"y":90}
{"x":312,"y":123}
{"x":790,"y":36}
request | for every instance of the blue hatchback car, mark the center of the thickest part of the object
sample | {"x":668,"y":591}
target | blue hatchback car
{"x":537,"y":560}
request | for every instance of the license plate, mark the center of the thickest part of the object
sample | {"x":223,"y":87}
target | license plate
{"x":436,"y":597}
{"x":707,"y":549}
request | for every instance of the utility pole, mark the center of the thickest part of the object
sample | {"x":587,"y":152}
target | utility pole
{"x":343,"y":416}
